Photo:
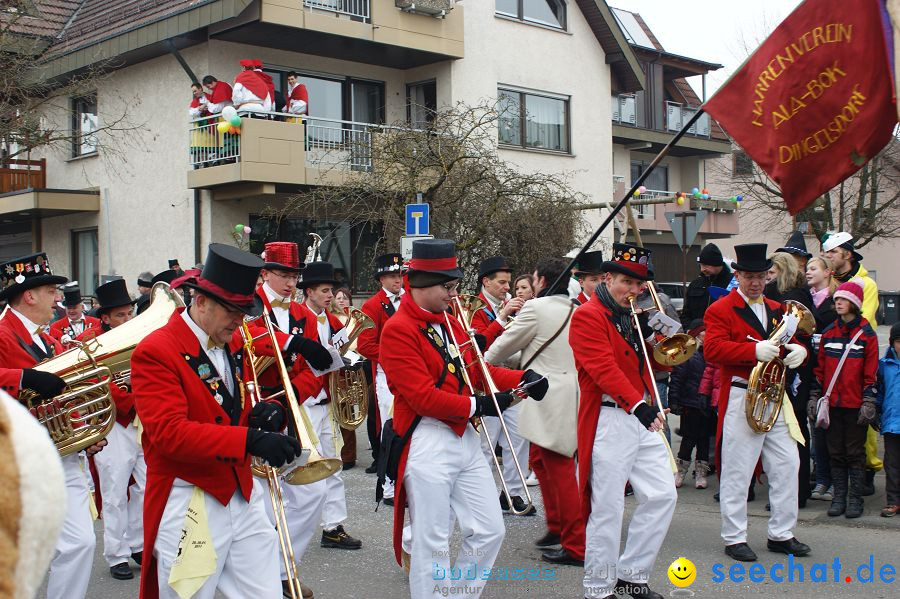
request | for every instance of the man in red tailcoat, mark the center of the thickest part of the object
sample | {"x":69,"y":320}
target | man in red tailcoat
{"x":737,"y":331}
{"x":200,"y":433}
{"x":620,"y":435}
{"x":589,"y":273}
{"x":297,"y":96}
{"x":29,"y":285}
{"x":250,"y":92}
{"x":67,"y":329}
{"x":442,"y":472}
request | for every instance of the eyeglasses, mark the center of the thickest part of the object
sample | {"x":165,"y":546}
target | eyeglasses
{"x":288,"y":276}
{"x":450,"y":287}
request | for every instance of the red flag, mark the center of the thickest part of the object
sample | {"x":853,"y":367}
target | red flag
{"x":814,"y":102}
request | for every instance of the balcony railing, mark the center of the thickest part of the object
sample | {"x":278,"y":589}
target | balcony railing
{"x":357,"y":9}
{"x":16,"y":175}
{"x":623,"y":109}
{"x":678,"y":114}
{"x":627,"y":111}
{"x":714,"y":203}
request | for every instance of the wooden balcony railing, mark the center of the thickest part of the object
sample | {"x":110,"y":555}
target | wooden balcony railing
{"x":16,"y":175}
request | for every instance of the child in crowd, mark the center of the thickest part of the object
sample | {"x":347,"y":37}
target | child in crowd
{"x":685,"y":397}
{"x":888,"y":404}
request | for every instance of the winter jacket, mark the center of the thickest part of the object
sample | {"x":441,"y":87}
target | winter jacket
{"x":858,"y":375}
{"x":710,"y":383}
{"x":697,"y":299}
{"x":684,"y":383}
{"x":888,"y":401}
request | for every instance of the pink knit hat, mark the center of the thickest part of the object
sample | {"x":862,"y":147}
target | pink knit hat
{"x":852,"y":291}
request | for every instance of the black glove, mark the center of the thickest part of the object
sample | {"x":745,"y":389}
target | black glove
{"x":45,"y":384}
{"x":484,"y":405}
{"x":481,"y":340}
{"x":867,"y":412}
{"x":538,"y":390}
{"x":274,"y":448}
{"x":267,"y":415}
{"x":646,"y":414}
{"x":315,"y":353}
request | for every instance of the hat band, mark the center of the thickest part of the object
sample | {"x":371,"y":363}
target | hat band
{"x":433,"y":263}
{"x":635,"y":267}
{"x":237,"y":298}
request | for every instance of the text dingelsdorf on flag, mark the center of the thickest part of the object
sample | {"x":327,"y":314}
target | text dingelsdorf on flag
{"x":815,"y":101}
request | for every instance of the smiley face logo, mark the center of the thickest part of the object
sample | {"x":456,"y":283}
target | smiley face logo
{"x":682,"y":572}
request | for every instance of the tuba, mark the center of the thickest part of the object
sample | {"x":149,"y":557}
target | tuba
{"x":84,"y":412}
{"x":765,"y":388}
{"x":348,"y":388}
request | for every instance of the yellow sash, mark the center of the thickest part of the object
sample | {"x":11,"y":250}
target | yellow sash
{"x":790,"y":419}
{"x":197,"y":558}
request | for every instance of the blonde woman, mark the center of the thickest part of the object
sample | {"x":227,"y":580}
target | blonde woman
{"x":822,"y":285}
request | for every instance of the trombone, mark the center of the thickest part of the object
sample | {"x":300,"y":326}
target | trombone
{"x":670,"y":351}
{"x":464,"y":307}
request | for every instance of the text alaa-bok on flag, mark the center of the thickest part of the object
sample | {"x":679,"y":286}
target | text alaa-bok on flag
{"x":815,"y":101}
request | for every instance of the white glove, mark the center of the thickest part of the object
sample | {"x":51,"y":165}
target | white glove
{"x":795,"y":356}
{"x":766,"y":351}
{"x":664,"y":324}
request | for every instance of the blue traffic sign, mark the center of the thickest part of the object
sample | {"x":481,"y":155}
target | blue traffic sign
{"x":417,"y":219}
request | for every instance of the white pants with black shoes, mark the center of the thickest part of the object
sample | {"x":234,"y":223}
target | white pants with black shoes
{"x":334,"y":512}
{"x":741,"y":450}
{"x":245,"y":542}
{"x":385,"y":400}
{"x":446,"y":476}
{"x":70,"y":569}
{"x":520,"y":447}
{"x":624,"y":450}
{"x":123,"y":508}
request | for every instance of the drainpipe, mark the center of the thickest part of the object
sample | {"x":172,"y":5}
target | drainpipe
{"x":197,"y":256}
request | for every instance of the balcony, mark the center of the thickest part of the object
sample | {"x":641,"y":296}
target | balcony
{"x":275,"y":155}
{"x":24,"y":195}
{"x":721,"y":219}
{"x":16,"y":175}
{"x":368,"y":31}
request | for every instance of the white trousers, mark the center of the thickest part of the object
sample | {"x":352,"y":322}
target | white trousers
{"x":245,"y":542}
{"x":624,"y":450}
{"x":446,"y":476}
{"x":741,"y":449}
{"x":303,"y":510}
{"x":520,"y":447}
{"x":70,"y":569}
{"x":334,"y":512}
{"x":123,"y":521}
{"x":385,"y":404}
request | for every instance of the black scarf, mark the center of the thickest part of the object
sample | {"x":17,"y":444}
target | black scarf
{"x":621,"y":316}
{"x":854,"y":268}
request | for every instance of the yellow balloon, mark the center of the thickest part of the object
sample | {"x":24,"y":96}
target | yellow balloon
{"x":682,"y":572}
{"x":223,"y":127}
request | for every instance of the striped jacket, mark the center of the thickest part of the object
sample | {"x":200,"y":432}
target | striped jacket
{"x":857,"y":377}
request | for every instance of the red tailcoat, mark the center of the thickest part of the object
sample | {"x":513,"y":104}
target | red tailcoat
{"x":413,"y":367}
{"x":187,"y":434}
{"x":485,"y":322}
{"x":379,"y":308}
{"x":729,"y":320}
{"x":607,"y":365}
{"x":64,"y":327}
{"x":18,"y":351}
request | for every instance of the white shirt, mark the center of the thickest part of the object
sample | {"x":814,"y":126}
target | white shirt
{"x":494,"y":305}
{"x":394,"y":298}
{"x":32,"y":327}
{"x":758,"y":308}
{"x":216,"y":354}
{"x":77,"y":326}
{"x":325,"y":339}
{"x":282,"y":315}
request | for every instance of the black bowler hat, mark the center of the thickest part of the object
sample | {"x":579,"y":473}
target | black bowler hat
{"x":493,"y":264}
{"x":72,"y":296}
{"x":711,"y":255}
{"x":589,"y":263}
{"x":630,"y":260}
{"x":795,"y":245}
{"x":27,"y":272}
{"x":433,"y":262}
{"x":166,"y":276}
{"x":229,"y":276}
{"x":751,"y":257}
{"x":317,"y":273}
{"x":112,"y":295}
{"x":387,"y":264}
{"x":173,"y":264}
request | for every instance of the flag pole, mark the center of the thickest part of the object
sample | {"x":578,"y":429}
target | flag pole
{"x":618,"y":207}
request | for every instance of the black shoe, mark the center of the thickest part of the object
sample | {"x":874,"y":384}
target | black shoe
{"x":339,"y":539}
{"x":373,"y":469}
{"x":638,"y":590}
{"x":561,"y":557}
{"x":751,"y":493}
{"x":388,"y":501}
{"x":137,"y":556}
{"x":504,"y":504}
{"x":121,"y":571}
{"x":791,"y":547}
{"x":548,"y":540}
{"x":519,"y":505}
{"x":716,"y":496}
{"x":349,"y":465}
{"x":740,"y":552}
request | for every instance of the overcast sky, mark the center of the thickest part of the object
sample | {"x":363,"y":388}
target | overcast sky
{"x":718,"y":31}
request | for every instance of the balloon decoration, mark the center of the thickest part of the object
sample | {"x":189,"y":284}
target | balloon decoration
{"x":242,"y":230}
{"x":229,"y":113}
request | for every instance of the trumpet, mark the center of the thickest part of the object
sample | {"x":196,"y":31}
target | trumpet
{"x":464,"y":307}
{"x":673,"y":350}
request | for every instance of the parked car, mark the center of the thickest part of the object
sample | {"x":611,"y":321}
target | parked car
{"x":675,"y":291}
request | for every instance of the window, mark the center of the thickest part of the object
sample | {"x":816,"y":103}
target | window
{"x":543,"y":12}
{"x":657,"y":181}
{"x":85,"y":260}
{"x":421,"y":103}
{"x":741,"y":164}
{"x":533,"y":121}
{"x":84,"y":125}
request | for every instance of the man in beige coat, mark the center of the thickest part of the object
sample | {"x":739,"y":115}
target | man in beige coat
{"x":541,"y":332}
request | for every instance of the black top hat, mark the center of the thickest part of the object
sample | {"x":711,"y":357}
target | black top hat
{"x":112,"y":295}
{"x":229,"y":276}
{"x":174,"y":263}
{"x":493,"y":264}
{"x":630,"y":260}
{"x":751,"y":257}
{"x":387,"y":264}
{"x":589,"y":263}
{"x":166,"y":276}
{"x":28,"y":272}
{"x":72,"y":297}
{"x":795,"y":245}
{"x":435,"y":258}
{"x":145,"y":279}
{"x":317,"y":273}
{"x":711,"y":255}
